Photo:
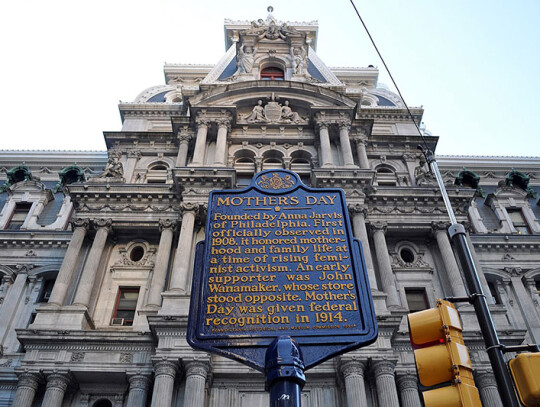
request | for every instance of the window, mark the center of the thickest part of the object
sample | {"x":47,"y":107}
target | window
{"x":386,"y":177}
{"x":272,"y":74}
{"x":494,"y":292}
{"x":136,"y":254}
{"x":537,"y":283}
{"x":416,"y":299}
{"x":157,"y":174}
{"x":272,"y":163}
{"x":243,"y":180}
{"x":19,"y":215}
{"x":518,"y":220}
{"x":126,"y":304}
{"x":406,"y":255}
{"x":46,"y":290}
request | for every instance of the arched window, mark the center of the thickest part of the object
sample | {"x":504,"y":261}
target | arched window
{"x":385,"y":177}
{"x":102,"y":403}
{"x":244,"y":164}
{"x":272,"y":74}
{"x":157,"y":174}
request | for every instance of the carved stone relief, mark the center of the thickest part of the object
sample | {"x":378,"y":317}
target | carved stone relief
{"x":273,"y":112}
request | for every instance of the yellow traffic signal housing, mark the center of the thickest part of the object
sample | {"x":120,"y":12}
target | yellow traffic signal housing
{"x":441,"y":356}
{"x":525,"y":369}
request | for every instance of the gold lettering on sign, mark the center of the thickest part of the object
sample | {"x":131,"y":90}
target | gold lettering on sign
{"x":279,"y":263}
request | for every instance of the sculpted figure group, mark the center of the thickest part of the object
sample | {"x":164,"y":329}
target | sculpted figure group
{"x":246,"y":52}
{"x":258,"y":114}
{"x":422,"y":174}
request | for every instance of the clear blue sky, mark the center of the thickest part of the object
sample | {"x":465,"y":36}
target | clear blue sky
{"x":471,"y":64}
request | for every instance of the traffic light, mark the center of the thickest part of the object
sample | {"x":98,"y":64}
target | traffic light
{"x":525,"y":369}
{"x":441,"y":356}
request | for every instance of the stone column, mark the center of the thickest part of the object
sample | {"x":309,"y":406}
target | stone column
{"x":353,"y":374}
{"x":345,"y":143}
{"x":440,"y":230}
{"x":361,"y":142}
{"x":26,"y":389}
{"x":388,"y":281}
{"x":196,"y":373}
{"x":326,"y":150}
{"x":478,"y":265}
{"x":408,"y":390}
{"x":360,"y":231}
{"x":528,"y":303}
{"x":181,"y":158}
{"x":166,"y":226}
{"x":383,"y":370}
{"x":138,"y":390}
{"x":487,"y":387}
{"x":67,"y":270}
{"x":164,"y":383}
{"x":200,"y":142}
{"x":57,"y":384}
{"x":182,"y":259}
{"x":8,"y":312}
{"x":224,"y":126}
{"x":88,"y":277}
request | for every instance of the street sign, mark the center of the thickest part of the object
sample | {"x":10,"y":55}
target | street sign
{"x":279,"y":259}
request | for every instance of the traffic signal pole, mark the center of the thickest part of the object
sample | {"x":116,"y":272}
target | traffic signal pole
{"x":494,"y":348}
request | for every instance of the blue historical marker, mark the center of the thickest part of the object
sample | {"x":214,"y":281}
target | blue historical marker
{"x":279,"y":270}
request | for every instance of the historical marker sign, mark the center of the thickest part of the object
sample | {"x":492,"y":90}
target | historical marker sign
{"x":279,"y":258}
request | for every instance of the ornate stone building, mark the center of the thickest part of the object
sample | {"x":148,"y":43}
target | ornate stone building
{"x":96,"y":248}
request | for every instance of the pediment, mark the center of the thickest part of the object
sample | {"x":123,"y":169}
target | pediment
{"x":245,"y":93}
{"x":28,"y":186}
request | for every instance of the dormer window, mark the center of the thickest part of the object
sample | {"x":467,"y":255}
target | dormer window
{"x":272,"y":74}
{"x":518,"y":221}
{"x":19,"y":215}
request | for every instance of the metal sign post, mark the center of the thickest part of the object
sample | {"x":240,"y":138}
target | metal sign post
{"x":280,"y":282}
{"x":494,"y":347}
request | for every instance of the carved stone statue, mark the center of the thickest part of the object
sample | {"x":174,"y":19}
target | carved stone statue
{"x":245,"y":59}
{"x":422,"y":174}
{"x":299,"y":58}
{"x":257,"y":27}
{"x":113,"y":169}
{"x":288,"y":115}
{"x":272,"y":31}
{"x":257,"y":114}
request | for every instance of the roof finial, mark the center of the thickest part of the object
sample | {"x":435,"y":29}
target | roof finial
{"x":270,"y":9}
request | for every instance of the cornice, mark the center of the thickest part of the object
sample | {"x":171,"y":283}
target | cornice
{"x":204,"y":177}
{"x":123,"y":200}
{"x":385,"y":113}
{"x":505,"y":243}
{"x":153,"y":110}
{"x":53,"y":159}
{"x":341,"y":178}
{"x":425,"y":202}
{"x":34,"y":239}
{"x":113,"y":139}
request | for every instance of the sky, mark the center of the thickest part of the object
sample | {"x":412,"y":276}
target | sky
{"x":472,"y":65}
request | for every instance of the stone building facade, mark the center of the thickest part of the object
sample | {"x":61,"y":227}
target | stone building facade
{"x":96,"y":248}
